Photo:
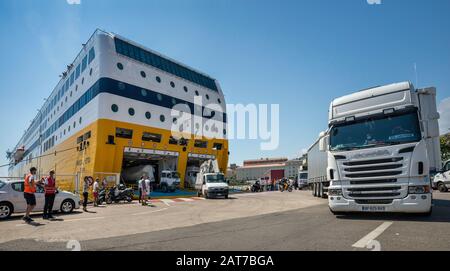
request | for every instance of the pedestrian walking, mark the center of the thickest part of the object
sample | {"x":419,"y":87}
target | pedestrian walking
{"x":96,"y":190}
{"x":50,"y":193}
{"x":86,"y":185}
{"x":28,"y":193}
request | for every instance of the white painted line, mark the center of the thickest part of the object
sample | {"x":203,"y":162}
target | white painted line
{"x":167,"y":201}
{"x":150,"y":212}
{"x":186,"y":199}
{"x":372,"y":235}
{"x":83,"y":219}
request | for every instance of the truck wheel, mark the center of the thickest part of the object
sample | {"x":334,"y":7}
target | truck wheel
{"x":442,"y":188}
{"x":312,"y":190}
{"x":315,"y":189}
{"x":320,"y":190}
{"x":206,"y":195}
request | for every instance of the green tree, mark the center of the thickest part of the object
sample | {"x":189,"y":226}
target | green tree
{"x":445,"y":147}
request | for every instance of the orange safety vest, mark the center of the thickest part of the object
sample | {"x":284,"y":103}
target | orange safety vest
{"x":50,"y":186}
{"x":30,"y":188}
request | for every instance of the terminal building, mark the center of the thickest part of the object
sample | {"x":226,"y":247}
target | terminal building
{"x":119,"y":105}
{"x":259,"y":168}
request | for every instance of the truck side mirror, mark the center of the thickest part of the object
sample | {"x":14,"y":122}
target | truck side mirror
{"x":323,"y":143}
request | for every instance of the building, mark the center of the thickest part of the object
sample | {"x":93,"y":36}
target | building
{"x":231,"y":172}
{"x":255,"y":169}
{"x":292,"y":168}
{"x":121,"y":105}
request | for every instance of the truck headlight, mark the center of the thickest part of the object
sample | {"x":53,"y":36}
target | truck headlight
{"x":419,"y":189}
{"x":334,"y":192}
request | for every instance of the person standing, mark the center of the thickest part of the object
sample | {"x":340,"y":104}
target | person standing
{"x":86,"y":185}
{"x":140,"y":188}
{"x":50,"y":193}
{"x":143,"y":192}
{"x":104,"y":183}
{"x":28,"y":193}
{"x":148,"y":185}
{"x":96,"y":190}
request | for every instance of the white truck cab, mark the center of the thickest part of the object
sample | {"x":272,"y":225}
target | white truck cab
{"x":382,"y":144}
{"x":441,"y":180}
{"x":212,"y":185}
{"x":170,"y":181}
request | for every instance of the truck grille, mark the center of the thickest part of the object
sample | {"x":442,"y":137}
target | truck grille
{"x":374,"y":201}
{"x":375,"y":180}
{"x":373,"y":168}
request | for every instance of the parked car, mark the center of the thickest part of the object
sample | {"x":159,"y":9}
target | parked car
{"x":441,"y":181}
{"x":12,"y":201}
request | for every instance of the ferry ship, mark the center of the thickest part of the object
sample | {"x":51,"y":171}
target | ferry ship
{"x":121,"y":105}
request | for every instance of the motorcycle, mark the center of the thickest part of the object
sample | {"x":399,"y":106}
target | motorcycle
{"x":102,"y":196}
{"x":256,"y":187}
{"x":285,"y":185}
{"x":119,"y":193}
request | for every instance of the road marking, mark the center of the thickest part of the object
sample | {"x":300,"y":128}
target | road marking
{"x":167,"y":201}
{"x":372,"y":235}
{"x":150,"y":212}
{"x":82,"y":219}
{"x":186,"y":199}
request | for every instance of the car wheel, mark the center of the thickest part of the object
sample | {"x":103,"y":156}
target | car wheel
{"x":6,"y":210}
{"x":164,"y":188}
{"x":67,"y":206}
{"x":442,"y":188}
{"x":226,"y":196}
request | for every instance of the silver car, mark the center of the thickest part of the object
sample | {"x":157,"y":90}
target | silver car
{"x":12,"y":200}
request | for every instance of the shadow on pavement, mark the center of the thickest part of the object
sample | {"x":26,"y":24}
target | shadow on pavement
{"x":441,"y":213}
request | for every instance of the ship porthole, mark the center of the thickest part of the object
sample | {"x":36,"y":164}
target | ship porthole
{"x":131,"y":111}
{"x":120,"y":66}
{"x":148,"y":115}
{"x":114,"y":108}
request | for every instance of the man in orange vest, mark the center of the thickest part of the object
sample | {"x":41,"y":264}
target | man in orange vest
{"x":28,"y":193}
{"x":50,"y":192}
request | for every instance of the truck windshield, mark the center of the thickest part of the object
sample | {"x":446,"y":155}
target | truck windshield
{"x":376,"y":132}
{"x":175,"y":175}
{"x":219,"y":178}
{"x":303,"y":175}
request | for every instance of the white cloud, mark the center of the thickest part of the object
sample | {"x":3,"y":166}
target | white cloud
{"x":74,"y":2}
{"x":444,"y":110}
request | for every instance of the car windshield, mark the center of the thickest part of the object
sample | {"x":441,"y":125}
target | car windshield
{"x":218,"y":178}
{"x":2,"y":184}
{"x":376,"y":132}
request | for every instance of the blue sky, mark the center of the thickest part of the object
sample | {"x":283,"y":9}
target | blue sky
{"x":299,"y":54}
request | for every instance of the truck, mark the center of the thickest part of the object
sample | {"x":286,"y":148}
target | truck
{"x":210,"y":181}
{"x":382,"y":146}
{"x":302,"y":179}
{"x":441,"y":180}
{"x":317,"y":170}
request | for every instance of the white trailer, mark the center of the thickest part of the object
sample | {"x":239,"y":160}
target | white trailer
{"x":317,"y":170}
{"x":382,"y":146}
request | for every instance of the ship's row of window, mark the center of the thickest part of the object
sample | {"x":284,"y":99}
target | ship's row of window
{"x":172,"y":84}
{"x":52,"y":141}
{"x":87,"y":60}
{"x":162,"y":118}
{"x":149,"y":58}
{"x":157,"y":138}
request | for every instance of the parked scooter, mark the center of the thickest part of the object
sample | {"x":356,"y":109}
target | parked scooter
{"x":119,"y":193}
{"x":256,"y":187}
{"x":102,"y":196}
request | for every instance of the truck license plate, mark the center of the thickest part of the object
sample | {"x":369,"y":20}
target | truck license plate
{"x":373,"y":209}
